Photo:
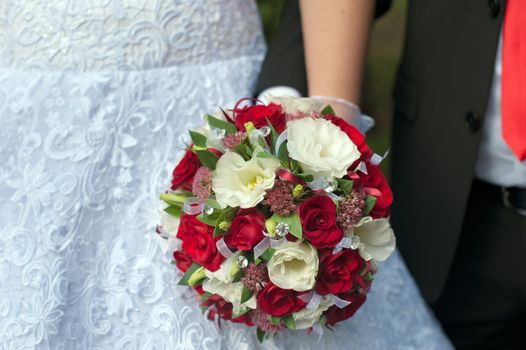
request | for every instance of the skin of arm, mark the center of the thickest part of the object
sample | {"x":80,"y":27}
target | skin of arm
{"x":336,"y":35}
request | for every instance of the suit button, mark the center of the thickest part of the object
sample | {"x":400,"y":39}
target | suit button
{"x":494,"y":7}
{"x":473,"y":121}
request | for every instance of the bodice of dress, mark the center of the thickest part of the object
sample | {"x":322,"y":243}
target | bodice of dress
{"x":95,"y":35}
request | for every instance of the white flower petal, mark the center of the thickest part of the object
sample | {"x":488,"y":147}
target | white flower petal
{"x":294,"y":265}
{"x":237,"y":182}
{"x":320,"y":147}
{"x":377,"y":239}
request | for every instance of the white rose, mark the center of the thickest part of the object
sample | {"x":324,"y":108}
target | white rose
{"x":237,"y":182}
{"x":377,"y":239}
{"x":292,"y":105}
{"x":294,"y":265}
{"x":221,"y":283}
{"x":306,"y":318}
{"x":320,"y":147}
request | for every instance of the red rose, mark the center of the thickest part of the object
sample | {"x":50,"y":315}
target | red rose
{"x":183,"y":174}
{"x":198,"y":242}
{"x":182,"y":260}
{"x":318,"y":218}
{"x":246,"y":230}
{"x":279,"y":302}
{"x":334,"y":314}
{"x":338,"y":271}
{"x":259,"y":114}
{"x":375,"y":184}
{"x":354,"y":134}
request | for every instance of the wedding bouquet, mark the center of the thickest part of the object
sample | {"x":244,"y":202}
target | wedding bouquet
{"x":277,"y":216}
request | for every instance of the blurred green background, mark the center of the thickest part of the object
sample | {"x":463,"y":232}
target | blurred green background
{"x":382,"y":62}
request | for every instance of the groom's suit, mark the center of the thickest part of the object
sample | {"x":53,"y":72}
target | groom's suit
{"x":448,"y":230}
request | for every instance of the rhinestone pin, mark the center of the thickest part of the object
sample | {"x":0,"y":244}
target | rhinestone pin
{"x":242,"y":261}
{"x":355,"y":244}
{"x":282,"y":229}
{"x":209,"y":210}
{"x":265,"y":131}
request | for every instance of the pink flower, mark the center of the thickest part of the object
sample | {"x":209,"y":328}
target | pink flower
{"x":351,"y":209}
{"x":231,"y":141}
{"x":202,"y":185}
{"x":280,"y":198}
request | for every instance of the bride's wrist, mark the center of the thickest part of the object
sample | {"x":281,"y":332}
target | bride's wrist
{"x":343,"y":108}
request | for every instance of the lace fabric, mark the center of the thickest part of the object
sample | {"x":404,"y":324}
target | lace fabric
{"x":89,"y":135}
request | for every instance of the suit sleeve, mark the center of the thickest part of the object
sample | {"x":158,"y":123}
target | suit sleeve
{"x":284,"y":63}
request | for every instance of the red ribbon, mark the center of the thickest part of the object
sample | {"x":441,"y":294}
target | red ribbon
{"x":287,"y":175}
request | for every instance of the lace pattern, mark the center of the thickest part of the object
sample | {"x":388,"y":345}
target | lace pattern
{"x":88,"y":35}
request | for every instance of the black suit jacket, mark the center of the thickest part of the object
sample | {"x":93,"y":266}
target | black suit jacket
{"x":441,"y":95}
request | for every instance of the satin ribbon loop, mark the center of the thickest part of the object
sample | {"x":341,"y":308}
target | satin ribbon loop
{"x":259,"y":134}
{"x":362,"y":168}
{"x":276,"y":243}
{"x":376,"y":159}
{"x":260,"y":248}
{"x":281,"y":139}
{"x":223,"y":249}
{"x":193,"y":206}
{"x":339,"y":302}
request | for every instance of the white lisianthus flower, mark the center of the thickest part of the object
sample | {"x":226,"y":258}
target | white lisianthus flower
{"x":293,"y":105}
{"x":377,"y":239}
{"x":214,"y":137}
{"x":170,"y":225}
{"x":306,"y":318}
{"x":320,"y":147}
{"x":238,"y":182}
{"x":221,"y":283}
{"x":294,"y":265}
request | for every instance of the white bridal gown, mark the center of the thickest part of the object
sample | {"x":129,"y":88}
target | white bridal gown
{"x":95,"y":96}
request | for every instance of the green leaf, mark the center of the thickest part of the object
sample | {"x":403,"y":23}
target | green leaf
{"x":283,"y":155}
{"x":289,"y":321}
{"x":210,"y":220}
{"x":369,"y":277}
{"x":370,"y":202}
{"x":273,"y":135}
{"x":267,"y":254}
{"x":207,"y":158}
{"x":198,"y":139}
{"x":275,"y":320}
{"x":226,"y":216}
{"x":188,"y":274}
{"x":244,"y":150}
{"x":345,"y":186}
{"x":260,"y":334}
{"x":220,"y":124}
{"x":267,"y":155}
{"x":246,"y":294}
{"x":328,"y":110}
{"x":294,"y":223}
{"x":176,"y":198}
{"x":213,"y":203}
{"x":174,"y":210}
{"x":306,"y":177}
{"x":238,"y":276}
{"x":241,"y":313}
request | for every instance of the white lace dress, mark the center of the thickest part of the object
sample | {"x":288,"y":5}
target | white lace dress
{"x":94,"y":99}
